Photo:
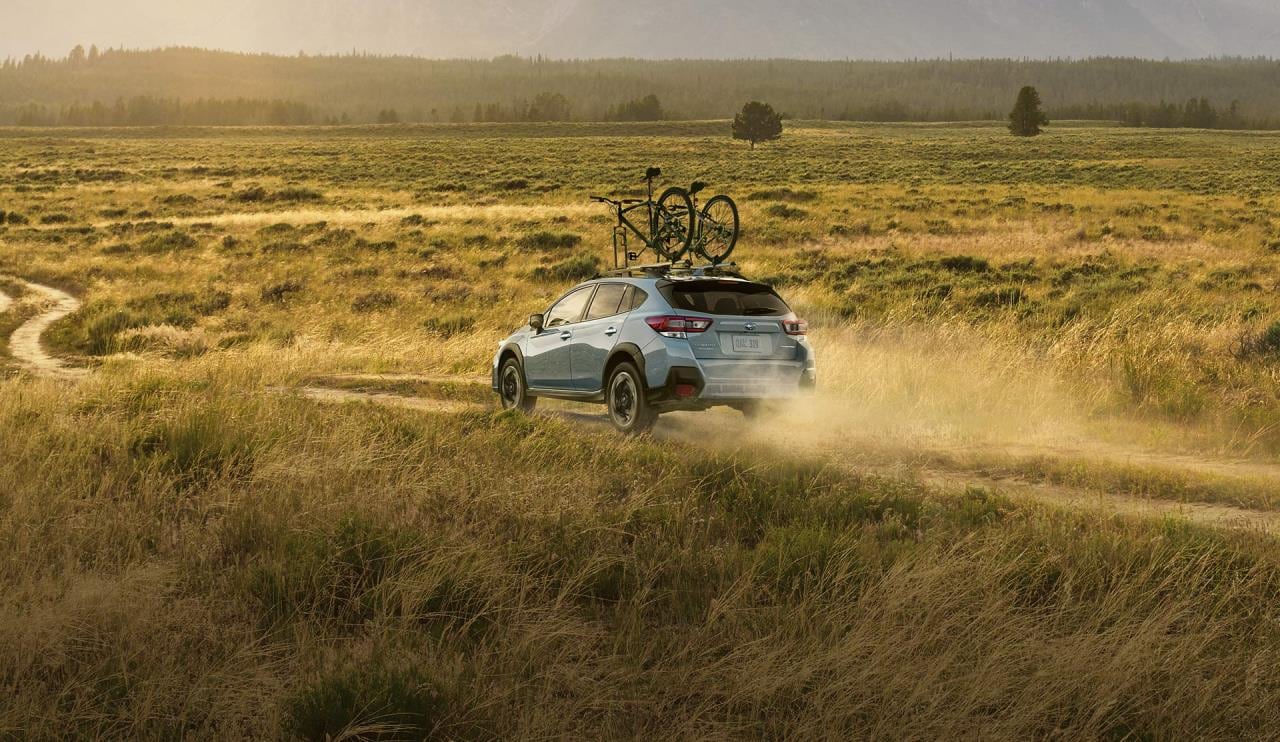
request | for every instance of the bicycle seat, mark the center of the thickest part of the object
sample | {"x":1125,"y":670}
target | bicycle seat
{"x":697,"y":187}
{"x":652,"y":173}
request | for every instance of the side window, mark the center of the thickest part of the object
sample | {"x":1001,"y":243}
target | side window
{"x":638,"y":297}
{"x":608,"y":301}
{"x":570,"y":308}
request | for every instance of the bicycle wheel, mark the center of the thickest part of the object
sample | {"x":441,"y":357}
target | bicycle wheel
{"x":675,"y":218}
{"x":718,"y":233}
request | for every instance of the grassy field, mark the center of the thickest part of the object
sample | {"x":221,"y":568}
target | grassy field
{"x":190,"y":549}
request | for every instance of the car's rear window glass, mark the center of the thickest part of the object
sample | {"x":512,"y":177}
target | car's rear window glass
{"x":608,"y":301}
{"x":726,"y":298}
{"x":638,"y":297}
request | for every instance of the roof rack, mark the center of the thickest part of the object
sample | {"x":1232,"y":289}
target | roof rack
{"x":683,"y":268}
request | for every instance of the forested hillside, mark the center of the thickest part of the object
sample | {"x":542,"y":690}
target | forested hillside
{"x":189,"y":86}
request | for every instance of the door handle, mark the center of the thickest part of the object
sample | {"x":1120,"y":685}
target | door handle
{"x":611,"y":331}
{"x":566,"y":335}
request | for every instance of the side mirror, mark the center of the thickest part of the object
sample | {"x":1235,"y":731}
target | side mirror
{"x":535,"y":322}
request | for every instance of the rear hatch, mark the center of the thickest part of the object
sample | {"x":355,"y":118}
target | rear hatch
{"x":746,"y":319}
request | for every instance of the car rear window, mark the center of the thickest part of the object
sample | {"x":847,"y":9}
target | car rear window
{"x":726,"y":298}
{"x":608,"y":301}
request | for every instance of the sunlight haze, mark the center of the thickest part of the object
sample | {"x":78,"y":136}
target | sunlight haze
{"x":818,"y":29}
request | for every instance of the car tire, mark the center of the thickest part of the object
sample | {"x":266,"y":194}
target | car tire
{"x":513,"y":391}
{"x":628,"y":405}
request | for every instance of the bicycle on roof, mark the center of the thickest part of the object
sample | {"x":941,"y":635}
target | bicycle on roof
{"x":667,"y":223}
{"x":675,"y":226}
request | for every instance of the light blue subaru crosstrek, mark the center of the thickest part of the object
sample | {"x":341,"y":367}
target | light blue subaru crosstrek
{"x":648,"y":342}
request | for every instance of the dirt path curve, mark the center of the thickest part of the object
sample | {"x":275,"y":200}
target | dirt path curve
{"x":5,"y":302}
{"x":25,"y":344}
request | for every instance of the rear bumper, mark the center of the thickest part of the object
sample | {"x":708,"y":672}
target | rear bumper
{"x":697,"y":387}
{"x":738,"y":380}
{"x":670,"y":363}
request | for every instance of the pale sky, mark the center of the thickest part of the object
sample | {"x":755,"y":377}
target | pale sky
{"x":883,"y":29}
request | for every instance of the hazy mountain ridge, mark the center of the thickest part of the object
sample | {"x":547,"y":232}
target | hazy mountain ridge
{"x":819,"y":29}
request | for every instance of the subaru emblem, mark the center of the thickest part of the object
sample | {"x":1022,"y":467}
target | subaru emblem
{"x":751,"y":327}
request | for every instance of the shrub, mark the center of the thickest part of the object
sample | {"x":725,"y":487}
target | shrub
{"x":515,"y":184}
{"x":55,"y":219}
{"x":1265,"y":343}
{"x":577,"y":268}
{"x":401,"y":702}
{"x":783,"y":211}
{"x":284,"y":246}
{"x":784,"y":194}
{"x":254,"y":194}
{"x":336,"y":238}
{"x":281,"y":292}
{"x":374,"y":301}
{"x":179,"y":199}
{"x":449,"y":325}
{"x":546,"y":241}
{"x":167,"y":242}
{"x":1007,"y":296}
{"x":964,"y":264}
{"x":15,"y":218}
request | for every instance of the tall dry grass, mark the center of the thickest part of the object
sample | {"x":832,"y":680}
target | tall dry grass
{"x":183,"y":557}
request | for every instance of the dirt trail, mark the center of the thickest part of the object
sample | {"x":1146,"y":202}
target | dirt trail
{"x":25,"y":344}
{"x":322,"y":394}
{"x":830,"y":441}
{"x":5,"y":302}
{"x":712,"y":429}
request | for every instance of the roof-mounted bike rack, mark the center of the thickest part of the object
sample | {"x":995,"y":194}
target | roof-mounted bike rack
{"x":684,"y":268}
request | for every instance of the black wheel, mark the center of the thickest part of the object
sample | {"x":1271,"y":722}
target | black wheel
{"x":719,"y":229}
{"x":675,"y":224}
{"x":512,"y":388}
{"x":629,"y":409}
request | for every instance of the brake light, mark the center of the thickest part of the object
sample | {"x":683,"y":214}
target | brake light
{"x":795,"y":327}
{"x":673,"y":326}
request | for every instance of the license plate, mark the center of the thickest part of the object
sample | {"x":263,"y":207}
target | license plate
{"x":751,"y":344}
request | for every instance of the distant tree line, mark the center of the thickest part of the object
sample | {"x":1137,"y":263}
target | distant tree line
{"x":545,"y":106}
{"x":148,"y":111}
{"x":1196,"y":113}
{"x":366,"y":89}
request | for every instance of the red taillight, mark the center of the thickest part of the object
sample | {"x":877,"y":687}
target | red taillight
{"x":684,"y":391}
{"x":795,"y":327}
{"x":674,"y":326}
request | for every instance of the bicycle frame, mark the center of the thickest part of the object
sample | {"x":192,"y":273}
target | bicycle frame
{"x":620,"y":238}
{"x":658,"y":222}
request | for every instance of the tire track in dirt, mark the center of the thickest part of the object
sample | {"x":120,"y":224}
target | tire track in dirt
{"x":25,"y":342}
{"x":711,"y":433}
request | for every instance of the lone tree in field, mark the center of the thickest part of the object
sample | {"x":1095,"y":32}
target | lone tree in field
{"x":1027,"y":118}
{"x":758,"y":122}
